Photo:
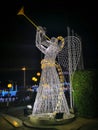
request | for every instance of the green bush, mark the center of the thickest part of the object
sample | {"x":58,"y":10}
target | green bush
{"x":85,"y":93}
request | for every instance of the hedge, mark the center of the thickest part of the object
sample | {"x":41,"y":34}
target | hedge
{"x":85,"y":86}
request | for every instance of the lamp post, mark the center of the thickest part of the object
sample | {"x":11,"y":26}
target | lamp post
{"x":24,"y":70}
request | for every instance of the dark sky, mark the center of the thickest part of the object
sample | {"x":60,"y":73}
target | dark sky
{"x":17,"y":35}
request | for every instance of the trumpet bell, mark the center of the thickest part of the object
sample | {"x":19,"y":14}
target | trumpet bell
{"x":21,"y":11}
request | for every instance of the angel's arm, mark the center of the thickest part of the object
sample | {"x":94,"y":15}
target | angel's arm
{"x":41,"y":42}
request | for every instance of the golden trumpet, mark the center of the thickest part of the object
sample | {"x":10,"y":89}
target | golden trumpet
{"x":21,"y":12}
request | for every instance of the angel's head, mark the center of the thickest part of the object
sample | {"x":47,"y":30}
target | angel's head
{"x":54,"y":40}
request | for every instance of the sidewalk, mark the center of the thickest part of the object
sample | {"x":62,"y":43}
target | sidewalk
{"x":81,"y":124}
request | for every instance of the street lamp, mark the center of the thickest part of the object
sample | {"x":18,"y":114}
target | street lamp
{"x":24,"y":70}
{"x":34,"y":79}
{"x":9,"y":85}
{"x":38,"y":74}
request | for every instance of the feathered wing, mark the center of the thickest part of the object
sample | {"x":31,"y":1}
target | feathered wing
{"x":69,"y":56}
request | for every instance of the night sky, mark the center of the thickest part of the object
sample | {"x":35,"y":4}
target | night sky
{"x":17,"y":35}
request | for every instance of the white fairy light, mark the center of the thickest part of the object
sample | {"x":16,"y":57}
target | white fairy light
{"x":69,"y":57}
{"x":50,"y":96}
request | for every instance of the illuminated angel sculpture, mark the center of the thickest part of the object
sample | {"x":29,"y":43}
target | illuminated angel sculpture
{"x":50,"y":96}
{"x":58,"y":53}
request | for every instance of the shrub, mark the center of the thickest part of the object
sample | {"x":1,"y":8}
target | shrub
{"x":85,"y":93}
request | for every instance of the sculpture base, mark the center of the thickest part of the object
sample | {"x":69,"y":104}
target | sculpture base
{"x":46,"y":120}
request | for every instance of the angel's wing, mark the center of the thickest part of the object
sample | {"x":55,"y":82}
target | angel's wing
{"x":69,"y":56}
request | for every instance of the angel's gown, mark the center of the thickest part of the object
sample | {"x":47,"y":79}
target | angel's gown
{"x":50,"y":97}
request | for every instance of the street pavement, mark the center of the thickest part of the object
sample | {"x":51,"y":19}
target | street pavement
{"x":13,"y":118}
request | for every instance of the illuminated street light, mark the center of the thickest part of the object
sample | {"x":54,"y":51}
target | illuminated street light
{"x":38,"y":73}
{"x":34,"y":79}
{"x":24,"y":70}
{"x":9,"y":85}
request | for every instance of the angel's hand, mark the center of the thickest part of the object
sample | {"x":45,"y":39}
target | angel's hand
{"x":40,"y":29}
